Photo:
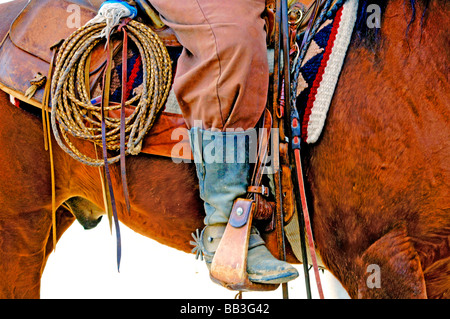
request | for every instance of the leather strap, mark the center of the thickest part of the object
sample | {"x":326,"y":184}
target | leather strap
{"x":263,"y":144}
{"x":258,"y":190}
{"x":312,"y":248}
{"x":315,"y":10}
{"x":105,"y":102}
{"x":123,"y":28}
{"x":48,"y":139}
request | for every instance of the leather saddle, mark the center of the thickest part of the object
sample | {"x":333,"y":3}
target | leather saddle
{"x":26,"y":52}
{"x":26,"y":49}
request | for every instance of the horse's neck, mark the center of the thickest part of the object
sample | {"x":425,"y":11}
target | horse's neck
{"x":419,"y":32}
{"x":399,"y":89}
{"x":415,"y":46}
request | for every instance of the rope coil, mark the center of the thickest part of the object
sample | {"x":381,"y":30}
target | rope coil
{"x":72,"y":112}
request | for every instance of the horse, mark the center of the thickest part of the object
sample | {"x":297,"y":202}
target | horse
{"x":377,"y":180}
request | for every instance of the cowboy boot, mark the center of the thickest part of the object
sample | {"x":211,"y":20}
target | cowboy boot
{"x":223,"y":169}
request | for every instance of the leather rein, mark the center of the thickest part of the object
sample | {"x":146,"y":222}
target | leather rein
{"x":289,"y":27}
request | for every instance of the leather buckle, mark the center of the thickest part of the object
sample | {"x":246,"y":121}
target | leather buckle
{"x":259,"y":190}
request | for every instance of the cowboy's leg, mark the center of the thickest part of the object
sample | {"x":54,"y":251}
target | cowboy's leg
{"x":222,"y":75}
{"x":221,"y":84}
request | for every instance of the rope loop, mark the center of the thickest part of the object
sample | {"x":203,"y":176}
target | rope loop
{"x":72,"y":111}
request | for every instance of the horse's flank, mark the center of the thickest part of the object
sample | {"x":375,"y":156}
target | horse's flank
{"x":382,"y":165}
{"x":378,"y":178}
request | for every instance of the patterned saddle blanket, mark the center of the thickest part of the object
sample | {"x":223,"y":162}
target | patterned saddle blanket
{"x":321,"y":68}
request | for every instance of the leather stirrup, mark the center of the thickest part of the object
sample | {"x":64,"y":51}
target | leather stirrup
{"x":229,"y":265}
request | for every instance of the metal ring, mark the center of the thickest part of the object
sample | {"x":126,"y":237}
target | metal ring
{"x":299,"y":19}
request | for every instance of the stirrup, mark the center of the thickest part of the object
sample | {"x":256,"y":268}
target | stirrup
{"x":229,"y":265}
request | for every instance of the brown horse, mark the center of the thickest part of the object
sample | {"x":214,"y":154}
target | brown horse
{"x":378,"y":179}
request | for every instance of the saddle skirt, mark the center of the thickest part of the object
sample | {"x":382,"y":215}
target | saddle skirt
{"x":25,"y":50}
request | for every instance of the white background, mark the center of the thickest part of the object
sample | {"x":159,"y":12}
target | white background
{"x":84,"y":266}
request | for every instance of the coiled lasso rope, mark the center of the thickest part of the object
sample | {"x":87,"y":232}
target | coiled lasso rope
{"x":72,"y":111}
